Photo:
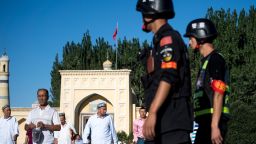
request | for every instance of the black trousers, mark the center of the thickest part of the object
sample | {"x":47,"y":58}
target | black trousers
{"x":203,"y":135}
{"x":173,"y":137}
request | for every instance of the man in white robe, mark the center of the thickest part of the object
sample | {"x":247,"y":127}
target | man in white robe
{"x":9,"y":129}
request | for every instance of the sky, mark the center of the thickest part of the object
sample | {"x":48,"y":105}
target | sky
{"x":34,"y":31}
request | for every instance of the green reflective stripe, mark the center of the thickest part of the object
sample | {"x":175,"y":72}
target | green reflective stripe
{"x":225,"y":110}
{"x":205,"y":64}
{"x":207,"y":111}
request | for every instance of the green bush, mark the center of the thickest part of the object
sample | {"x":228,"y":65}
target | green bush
{"x":242,"y":126}
{"x":124,"y":138}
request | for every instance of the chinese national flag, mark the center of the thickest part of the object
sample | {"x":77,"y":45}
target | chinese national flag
{"x":115,"y":32}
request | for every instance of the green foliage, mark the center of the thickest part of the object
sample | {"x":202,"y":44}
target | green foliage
{"x":242,"y":126}
{"x":194,"y":66}
{"x":55,"y":82}
{"x":128,"y":59}
{"x":88,"y":56}
{"x":124,"y":138}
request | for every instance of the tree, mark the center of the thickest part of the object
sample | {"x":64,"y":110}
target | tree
{"x":86,"y":56}
{"x":100,"y":51}
{"x":87,"y":52}
{"x":72,"y":56}
{"x":128,"y":58}
{"x":55,"y":82}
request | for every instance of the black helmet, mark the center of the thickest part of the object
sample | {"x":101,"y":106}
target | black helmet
{"x":156,"y":8}
{"x":202,"y":29}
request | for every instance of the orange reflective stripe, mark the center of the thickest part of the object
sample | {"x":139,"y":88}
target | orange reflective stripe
{"x":218,"y":86}
{"x":171,"y":64}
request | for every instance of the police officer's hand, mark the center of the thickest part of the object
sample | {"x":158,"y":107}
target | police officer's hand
{"x":216,"y":136}
{"x":149,"y":126}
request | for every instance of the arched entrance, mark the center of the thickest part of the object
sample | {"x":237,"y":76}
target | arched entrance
{"x":88,"y":107}
{"x":81,"y":90}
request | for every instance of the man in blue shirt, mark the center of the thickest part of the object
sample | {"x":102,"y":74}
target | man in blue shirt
{"x":101,"y":127}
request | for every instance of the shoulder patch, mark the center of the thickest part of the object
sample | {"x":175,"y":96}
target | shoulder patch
{"x":166,"y":54}
{"x":166,"y":40}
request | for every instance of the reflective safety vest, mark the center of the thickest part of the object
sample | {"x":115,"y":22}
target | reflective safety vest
{"x":203,"y":96}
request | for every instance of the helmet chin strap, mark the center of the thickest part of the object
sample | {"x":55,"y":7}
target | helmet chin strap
{"x":145,"y":25}
{"x":144,"y":28}
{"x":197,"y":48}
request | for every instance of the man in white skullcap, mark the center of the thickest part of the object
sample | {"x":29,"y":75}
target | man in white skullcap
{"x":101,"y":127}
{"x":9,"y":129}
{"x":66,"y":132}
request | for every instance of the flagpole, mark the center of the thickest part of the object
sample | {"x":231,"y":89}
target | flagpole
{"x":116,"y":54}
{"x":116,"y":46}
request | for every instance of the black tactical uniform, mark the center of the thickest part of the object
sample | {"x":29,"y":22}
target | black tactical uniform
{"x":167,"y":61}
{"x":214,"y":68}
{"x":213,"y":76}
{"x":171,"y":64}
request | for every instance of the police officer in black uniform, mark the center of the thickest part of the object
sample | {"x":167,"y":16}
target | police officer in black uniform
{"x":211,"y":95}
{"x":167,"y":82}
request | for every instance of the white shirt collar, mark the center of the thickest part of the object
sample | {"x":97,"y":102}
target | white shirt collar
{"x":46,"y":108}
{"x":98,"y":116}
{"x":7,"y":118}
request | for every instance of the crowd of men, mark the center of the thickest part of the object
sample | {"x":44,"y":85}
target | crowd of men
{"x":44,"y":125}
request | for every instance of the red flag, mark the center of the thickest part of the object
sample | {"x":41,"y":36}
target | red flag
{"x":115,"y":32}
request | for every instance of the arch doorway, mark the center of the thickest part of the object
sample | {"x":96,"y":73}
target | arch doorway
{"x":88,"y":107}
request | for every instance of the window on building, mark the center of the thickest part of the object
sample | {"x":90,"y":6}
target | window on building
{"x":3,"y":68}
